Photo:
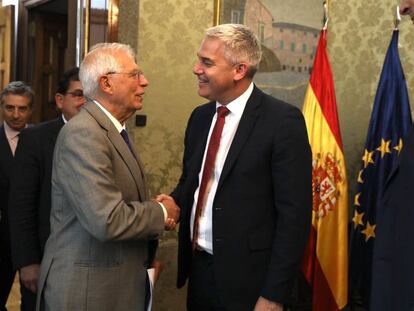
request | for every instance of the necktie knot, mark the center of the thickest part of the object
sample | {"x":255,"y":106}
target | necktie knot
{"x":222,"y":111}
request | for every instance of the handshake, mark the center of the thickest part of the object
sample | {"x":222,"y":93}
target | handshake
{"x":173,"y":211}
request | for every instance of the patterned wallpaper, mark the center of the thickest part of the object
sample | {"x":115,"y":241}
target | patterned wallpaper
{"x":359,"y":35}
{"x":169,"y":33}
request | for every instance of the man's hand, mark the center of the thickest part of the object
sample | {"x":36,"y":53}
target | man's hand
{"x":29,"y":275}
{"x":173,"y":211}
{"x":263,"y":304}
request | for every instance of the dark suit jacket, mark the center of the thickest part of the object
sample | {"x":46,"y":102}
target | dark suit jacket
{"x":6,"y":161}
{"x":262,"y":207}
{"x":29,"y":210}
{"x":393,"y":262}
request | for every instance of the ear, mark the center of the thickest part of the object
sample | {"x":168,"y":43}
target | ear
{"x":241,"y":71}
{"x":105,"y":84}
{"x":59,"y":100}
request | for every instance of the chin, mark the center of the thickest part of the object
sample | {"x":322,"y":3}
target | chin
{"x":204,"y":94}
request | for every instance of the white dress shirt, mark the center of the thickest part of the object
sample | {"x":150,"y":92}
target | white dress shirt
{"x":12,"y":137}
{"x":236,"y":107}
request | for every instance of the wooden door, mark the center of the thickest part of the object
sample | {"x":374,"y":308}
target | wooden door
{"x":49,"y":43}
{"x":6,"y":44}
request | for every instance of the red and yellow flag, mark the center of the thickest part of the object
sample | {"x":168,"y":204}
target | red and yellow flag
{"x":325,"y":264}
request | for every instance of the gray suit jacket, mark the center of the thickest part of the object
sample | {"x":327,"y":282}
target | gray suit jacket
{"x":101,"y":221}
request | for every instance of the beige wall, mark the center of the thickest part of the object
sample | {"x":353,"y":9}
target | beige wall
{"x":169,"y":33}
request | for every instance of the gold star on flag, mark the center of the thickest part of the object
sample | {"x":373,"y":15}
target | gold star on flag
{"x":369,"y":231}
{"x":358,"y":219}
{"x":356,"y":199}
{"x":399,"y":146}
{"x":360,"y":180}
{"x":367,"y":158}
{"x":384,"y":148}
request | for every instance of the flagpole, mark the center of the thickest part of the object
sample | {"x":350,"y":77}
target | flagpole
{"x":397,"y":18}
{"x":325,"y":14}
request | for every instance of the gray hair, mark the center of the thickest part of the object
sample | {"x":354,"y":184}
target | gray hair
{"x":241,"y":44}
{"x":18,"y":88}
{"x":101,"y":60}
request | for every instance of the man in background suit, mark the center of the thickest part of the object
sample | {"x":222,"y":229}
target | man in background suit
{"x":393,"y":257}
{"x":29,"y":210}
{"x":16,"y":104}
{"x":252,"y":202}
{"x":102,"y":220}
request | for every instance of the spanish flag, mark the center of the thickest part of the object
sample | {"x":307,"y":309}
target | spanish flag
{"x":325,"y":263}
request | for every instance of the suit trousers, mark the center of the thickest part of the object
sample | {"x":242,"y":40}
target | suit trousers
{"x":7,"y":274}
{"x":28,"y":299}
{"x":202,"y":290}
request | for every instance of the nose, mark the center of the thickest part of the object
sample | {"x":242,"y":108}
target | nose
{"x":143,"y":81}
{"x":197,"y":68}
{"x":16,"y":113}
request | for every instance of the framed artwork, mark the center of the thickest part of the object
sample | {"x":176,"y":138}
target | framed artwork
{"x":288,"y":31}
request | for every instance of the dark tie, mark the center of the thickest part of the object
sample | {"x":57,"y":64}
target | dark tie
{"x":124,"y":135}
{"x":209,"y":163}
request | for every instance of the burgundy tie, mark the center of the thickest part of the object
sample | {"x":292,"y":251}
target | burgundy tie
{"x":213,"y":146}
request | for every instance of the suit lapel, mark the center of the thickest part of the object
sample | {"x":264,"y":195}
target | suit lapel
{"x":201,"y":142}
{"x":243,"y":132}
{"x":5,"y":148}
{"x":132,"y":162}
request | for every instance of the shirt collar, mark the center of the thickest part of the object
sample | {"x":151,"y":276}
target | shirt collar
{"x":237,"y":105}
{"x":10,"y":133}
{"x":114,"y":120}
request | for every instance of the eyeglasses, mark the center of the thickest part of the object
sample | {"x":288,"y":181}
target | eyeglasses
{"x":136,"y":74}
{"x":76,"y":93}
{"x":20,"y":109}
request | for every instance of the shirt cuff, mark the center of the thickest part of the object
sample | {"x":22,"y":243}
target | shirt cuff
{"x":164,"y":210}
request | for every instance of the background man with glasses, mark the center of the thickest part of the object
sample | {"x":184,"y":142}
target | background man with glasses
{"x":103,"y":223}
{"x":30,"y":188}
{"x":16,"y":105}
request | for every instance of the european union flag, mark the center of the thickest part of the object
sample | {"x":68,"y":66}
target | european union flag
{"x":390,"y":122}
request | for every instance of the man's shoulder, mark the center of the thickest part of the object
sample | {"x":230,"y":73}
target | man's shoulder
{"x":44,"y":127}
{"x":3,"y":138}
{"x":205,"y":108}
{"x":272,"y":105}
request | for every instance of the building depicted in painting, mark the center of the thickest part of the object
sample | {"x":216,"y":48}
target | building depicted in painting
{"x":232,"y":11}
{"x":295,"y":46}
{"x":258,"y":18}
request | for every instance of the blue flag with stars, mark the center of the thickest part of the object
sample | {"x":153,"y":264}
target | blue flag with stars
{"x":390,"y":122}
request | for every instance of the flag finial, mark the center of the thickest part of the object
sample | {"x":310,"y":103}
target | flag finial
{"x":397,"y":18}
{"x":325,"y":15}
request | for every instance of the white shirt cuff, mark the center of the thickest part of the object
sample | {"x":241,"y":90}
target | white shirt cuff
{"x":164,"y":211}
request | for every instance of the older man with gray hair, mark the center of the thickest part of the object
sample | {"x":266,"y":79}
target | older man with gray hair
{"x":102,"y":221}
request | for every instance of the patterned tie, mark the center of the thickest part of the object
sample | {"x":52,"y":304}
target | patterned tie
{"x":124,"y":135}
{"x":209,"y":163}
